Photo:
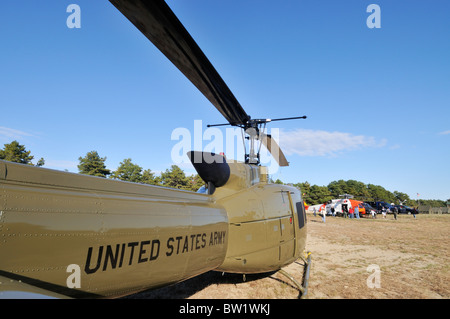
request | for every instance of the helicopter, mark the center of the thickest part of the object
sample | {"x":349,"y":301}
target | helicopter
{"x":65,"y":235}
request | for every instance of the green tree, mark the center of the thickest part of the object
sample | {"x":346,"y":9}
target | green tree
{"x":93,"y":164}
{"x":41,"y":162}
{"x":278,"y":181}
{"x":401,"y":198}
{"x":431,"y":202}
{"x":195,"y":182}
{"x":305,"y":189}
{"x":357,"y":189}
{"x":128,"y":171}
{"x":319,"y":194}
{"x":379,"y":193}
{"x":17,"y":153}
{"x":175,"y":178}
{"x":376,"y":192}
{"x":148,"y":177}
{"x":337,"y":188}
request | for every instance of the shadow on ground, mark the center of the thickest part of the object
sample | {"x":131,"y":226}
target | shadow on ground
{"x":191,"y":286}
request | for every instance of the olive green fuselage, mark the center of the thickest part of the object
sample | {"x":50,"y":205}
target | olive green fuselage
{"x":84,"y":236}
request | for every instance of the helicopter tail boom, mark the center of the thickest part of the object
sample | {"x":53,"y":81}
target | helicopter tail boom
{"x":119,"y":237}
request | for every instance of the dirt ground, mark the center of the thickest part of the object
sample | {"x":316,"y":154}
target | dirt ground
{"x":358,"y":259}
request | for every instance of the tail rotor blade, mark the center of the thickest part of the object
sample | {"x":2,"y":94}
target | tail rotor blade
{"x":274,"y":149}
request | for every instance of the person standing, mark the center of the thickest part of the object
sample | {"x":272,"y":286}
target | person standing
{"x":327,"y":210}
{"x":357,"y":211}
{"x":395,"y":211}
{"x":344,"y":210}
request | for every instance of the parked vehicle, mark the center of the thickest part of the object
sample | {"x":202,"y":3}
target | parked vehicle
{"x":367,"y":208}
{"x":379,"y":205}
{"x":403,"y":209}
{"x":340,"y":205}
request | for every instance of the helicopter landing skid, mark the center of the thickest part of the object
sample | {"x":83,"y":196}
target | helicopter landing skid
{"x":303,"y":287}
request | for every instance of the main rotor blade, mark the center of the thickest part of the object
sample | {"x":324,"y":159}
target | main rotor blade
{"x":274,"y":149}
{"x":159,"y":24}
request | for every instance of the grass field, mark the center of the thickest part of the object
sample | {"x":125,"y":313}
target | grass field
{"x":411,"y":254}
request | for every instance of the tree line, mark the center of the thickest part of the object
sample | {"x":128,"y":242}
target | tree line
{"x":93,"y":164}
{"x":14,"y":152}
{"x":314,"y":194}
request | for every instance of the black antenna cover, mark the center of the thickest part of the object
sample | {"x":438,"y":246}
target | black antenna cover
{"x":211,"y":167}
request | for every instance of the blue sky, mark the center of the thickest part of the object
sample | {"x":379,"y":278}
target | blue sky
{"x":377,"y":100}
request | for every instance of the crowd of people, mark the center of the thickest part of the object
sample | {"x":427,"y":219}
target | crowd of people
{"x":354,"y":212}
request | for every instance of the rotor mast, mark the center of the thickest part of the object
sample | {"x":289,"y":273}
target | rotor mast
{"x":252,"y":129}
